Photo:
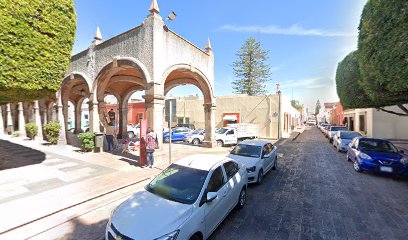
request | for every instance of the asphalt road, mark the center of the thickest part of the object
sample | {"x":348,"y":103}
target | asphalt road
{"x":316,"y":194}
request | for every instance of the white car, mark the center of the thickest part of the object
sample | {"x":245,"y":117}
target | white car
{"x":258,"y":157}
{"x":187,"y":200}
{"x":195,"y":137}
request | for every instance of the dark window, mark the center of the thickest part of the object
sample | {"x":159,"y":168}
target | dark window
{"x":267,"y":149}
{"x":231,"y":168}
{"x":362,"y":123}
{"x":216,"y":180}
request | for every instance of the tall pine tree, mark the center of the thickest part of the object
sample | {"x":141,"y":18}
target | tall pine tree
{"x":318,"y":107}
{"x":250,"y":70}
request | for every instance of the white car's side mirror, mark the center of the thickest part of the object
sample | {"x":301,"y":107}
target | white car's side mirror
{"x":211,"y":196}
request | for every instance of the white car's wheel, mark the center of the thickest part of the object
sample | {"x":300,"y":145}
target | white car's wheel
{"x":260,"y":177}
{"x":220,"y":143}
{"x":242,"y":199}
{"x":275,"y":164}
{"x":195,"y":141}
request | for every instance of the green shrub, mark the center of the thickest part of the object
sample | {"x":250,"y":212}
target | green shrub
{"x":31,"y":130}
{"x":16,"y":134}
{"x":36,"y":39}
{"x":87,"y":141}
{"x":52,"y":132}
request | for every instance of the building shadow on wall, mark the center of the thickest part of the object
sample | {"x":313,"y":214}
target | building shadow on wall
{"x":14,"y":155}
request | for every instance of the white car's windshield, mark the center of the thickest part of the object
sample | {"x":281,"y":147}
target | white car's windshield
{"x":178,"y":183}
{"x":247,"y":150}
{"x":222,"y":130}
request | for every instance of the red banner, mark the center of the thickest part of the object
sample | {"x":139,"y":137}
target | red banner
{"x":143,"y":135}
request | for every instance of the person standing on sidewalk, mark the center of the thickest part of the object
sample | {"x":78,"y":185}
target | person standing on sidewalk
{"x":110,"y":135}
{"x":150,"y":146}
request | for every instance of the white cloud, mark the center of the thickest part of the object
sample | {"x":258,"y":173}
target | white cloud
{"x":296,"y":30}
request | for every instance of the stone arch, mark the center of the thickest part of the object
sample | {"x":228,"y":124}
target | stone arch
{"x":116,"y":78}
{"x":182,"y":74}
{"x":115,"y":69}
{"x":76,"y":85}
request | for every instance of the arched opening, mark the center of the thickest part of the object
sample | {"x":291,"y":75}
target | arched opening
{"x":196,"y":94}
{"x":71,"y":117}
{"x":74,"y":89}
{"x":121,"y":78}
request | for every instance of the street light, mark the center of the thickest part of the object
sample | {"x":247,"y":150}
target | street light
{"x":171,"y":16}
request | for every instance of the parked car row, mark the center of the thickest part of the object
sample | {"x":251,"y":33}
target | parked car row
{"x":367,"y":154}
{"x":230,"y":135}
{"x":190,"y":198}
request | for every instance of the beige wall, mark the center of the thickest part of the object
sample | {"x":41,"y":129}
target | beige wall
{"x":381,"y":124}
{"x":259,"y":110}
{"x":388,"y":125}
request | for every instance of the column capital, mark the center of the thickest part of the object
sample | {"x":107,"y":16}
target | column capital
{"x":153,"y":97}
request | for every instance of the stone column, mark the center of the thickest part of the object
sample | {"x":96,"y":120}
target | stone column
{"x":37,"y":119}
{"x":154,"y":115}
{"x":1,"y":121}
{"x":123,"y":121}
{"x":78,"y":119}
{"x":94,"y":125}
{"x":10,"y":127}
{"x":21,"y":120}
{"x":60,"y":118}
{"x":209,"y":138}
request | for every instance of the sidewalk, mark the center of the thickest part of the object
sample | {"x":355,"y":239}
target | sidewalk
{"x":63,"y":184}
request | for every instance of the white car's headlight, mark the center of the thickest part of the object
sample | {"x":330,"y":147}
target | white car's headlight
{"x":364,"y":156}
{"x":404,"y":160}
{"x":169,"y":236}
{"x":251,"y":169}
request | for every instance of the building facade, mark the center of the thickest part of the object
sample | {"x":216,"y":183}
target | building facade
{"x":376,"y":123}
{"x":263,"y":111}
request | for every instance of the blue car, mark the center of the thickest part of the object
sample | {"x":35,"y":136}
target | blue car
{"x":376,"y":155}
{"x":178,"y":134}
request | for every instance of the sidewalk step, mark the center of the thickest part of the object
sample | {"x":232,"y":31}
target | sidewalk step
{"x":33,"y":208}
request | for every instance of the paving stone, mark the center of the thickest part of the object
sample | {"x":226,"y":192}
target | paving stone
{"x":316,"y":194}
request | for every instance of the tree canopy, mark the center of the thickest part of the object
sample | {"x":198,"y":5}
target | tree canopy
{"x":317,"y":107}
{"x":250,"y":69}
{"x":36,"y":38}
{"x":376,"y":75}
{"x":383,"y":51}
{"x":296,"y":104}
{"x":348,"y":80}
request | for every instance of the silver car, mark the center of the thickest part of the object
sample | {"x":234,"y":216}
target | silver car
{"x":259,"y":157}
{"x":343,"y":138}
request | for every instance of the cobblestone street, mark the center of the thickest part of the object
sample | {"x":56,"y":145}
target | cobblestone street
{"x":316,"y":194}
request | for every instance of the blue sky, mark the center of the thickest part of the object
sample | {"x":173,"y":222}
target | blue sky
{"x":305,"y":39}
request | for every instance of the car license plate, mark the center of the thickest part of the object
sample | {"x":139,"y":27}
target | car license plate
{"x":386,"y":169}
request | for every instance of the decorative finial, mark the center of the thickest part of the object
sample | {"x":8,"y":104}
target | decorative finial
{"x":208,"y":45}
{"x":154,"y":7}
{"x":98,"y":35}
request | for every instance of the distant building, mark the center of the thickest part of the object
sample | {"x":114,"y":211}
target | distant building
{"x":262,"y":111}
{"x":336,"y":115}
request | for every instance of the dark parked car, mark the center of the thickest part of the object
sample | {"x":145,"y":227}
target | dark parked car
{"x":376,"y":155}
